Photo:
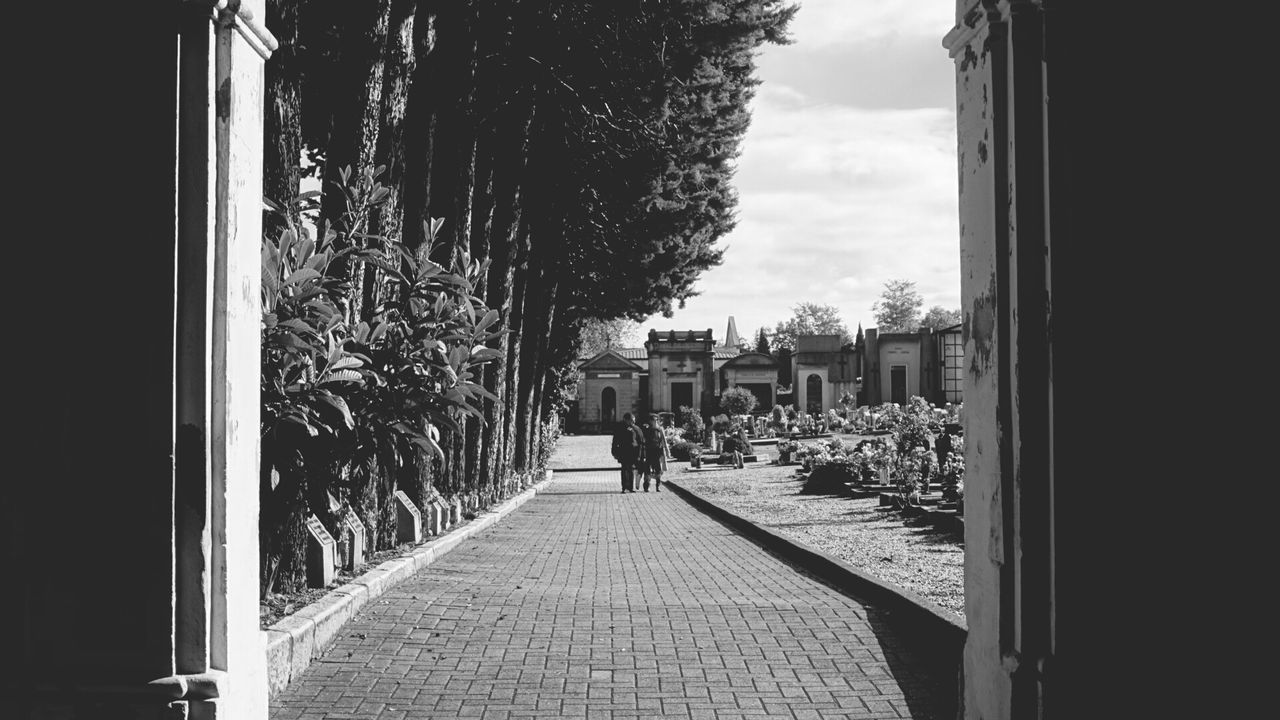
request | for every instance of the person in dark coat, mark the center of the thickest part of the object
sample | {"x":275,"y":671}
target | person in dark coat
{"x":656,"y":452}
{"x":735,"y":446}
{"x":628,"y":450}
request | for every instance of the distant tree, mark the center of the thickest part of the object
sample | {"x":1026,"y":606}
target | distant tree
{"x":762,"y":342}
{"x":939,"y":317}
{"x":737,"y":401}
{"x":898,"y":309}
{"x":811,"y":319}
{"x":597,"y":335}
{"x":784,"y":367}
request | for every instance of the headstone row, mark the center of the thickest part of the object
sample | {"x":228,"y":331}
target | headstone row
{"x":326,"y":555}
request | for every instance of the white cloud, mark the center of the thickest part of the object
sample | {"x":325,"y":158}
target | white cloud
{"x":835,"y":22}
{"x":834,"y":201}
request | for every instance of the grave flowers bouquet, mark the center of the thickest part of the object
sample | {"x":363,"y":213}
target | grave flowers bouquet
{"x":917,"y":466}
{"x":952,"y":471}
{"x":871,"y":458}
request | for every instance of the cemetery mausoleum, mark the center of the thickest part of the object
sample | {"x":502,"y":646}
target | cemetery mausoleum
{"x":679,"y":368}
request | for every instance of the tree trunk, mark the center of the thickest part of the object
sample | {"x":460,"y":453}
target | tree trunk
{"x":282,"y":524}
{"x":511,"y":407}
{"x":399,"y":63}
{"x":503,"y":250}
{"x":420,"y":124}
{"x":282,"y":119}
{"x":354,"y":135}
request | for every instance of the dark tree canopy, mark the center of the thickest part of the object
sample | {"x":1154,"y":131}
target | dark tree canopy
{"x":762,"y":342}
{"x":569,"y":163}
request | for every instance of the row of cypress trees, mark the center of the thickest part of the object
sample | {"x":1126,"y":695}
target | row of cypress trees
{"x":564,"y":160}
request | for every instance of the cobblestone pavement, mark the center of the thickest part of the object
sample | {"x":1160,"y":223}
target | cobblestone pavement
{"x":587,"y":603}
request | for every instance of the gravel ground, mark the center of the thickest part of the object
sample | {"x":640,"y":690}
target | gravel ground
{"x":582,"y":451}
{"x":908,"y":552}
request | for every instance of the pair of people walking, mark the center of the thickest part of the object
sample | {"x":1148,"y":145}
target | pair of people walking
{"x":641,"y":449}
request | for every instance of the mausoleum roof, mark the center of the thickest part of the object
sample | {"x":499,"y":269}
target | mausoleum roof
{"x":610,"y":359}
{"x":753,"y":359}
{"x":626,"y":353}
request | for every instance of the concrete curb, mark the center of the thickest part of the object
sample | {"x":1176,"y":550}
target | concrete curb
{"x":298,"y":639}
{"x":927,"y":620}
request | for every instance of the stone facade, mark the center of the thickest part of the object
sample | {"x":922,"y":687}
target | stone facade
{"x":822,"y":370}
{"x":899,"y":366}
{"x":609,"y":387}
{"x":755,"y":371}
{"x":681,"y":365}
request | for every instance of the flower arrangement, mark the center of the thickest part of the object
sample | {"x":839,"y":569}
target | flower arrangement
{"x":832,"y":452}
{"x":870,"y":457}
{"x":952,"y":470}
{"x":917,"y":466}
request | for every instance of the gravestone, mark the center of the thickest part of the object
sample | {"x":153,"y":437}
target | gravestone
{"x":351,"y":535}
{"x":344,"y":543}
{"x":435,"y":512}
{"x":408,"y":520}
{"x":354,"y":534}
{"x":884,"y":476}
{"x":455,"y":511}
{"x":321,"y":554}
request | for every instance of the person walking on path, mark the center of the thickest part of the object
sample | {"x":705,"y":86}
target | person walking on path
{"x":628,"y":450}
{"x":656,"y":452}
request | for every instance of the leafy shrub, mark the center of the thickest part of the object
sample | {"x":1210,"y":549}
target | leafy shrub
{"x":737,"y":401}
{"x":694,"y":428}
{"x":684,"y":450}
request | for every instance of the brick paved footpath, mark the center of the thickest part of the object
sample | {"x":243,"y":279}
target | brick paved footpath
{"x":587,"y":603}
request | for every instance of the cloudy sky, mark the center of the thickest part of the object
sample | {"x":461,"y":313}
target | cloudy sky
{"x":847,"y":177}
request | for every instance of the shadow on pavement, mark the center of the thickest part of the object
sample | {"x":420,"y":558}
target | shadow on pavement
{"x":926,"y":668}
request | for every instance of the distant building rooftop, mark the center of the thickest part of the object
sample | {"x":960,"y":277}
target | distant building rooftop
{"x":628,"y":353}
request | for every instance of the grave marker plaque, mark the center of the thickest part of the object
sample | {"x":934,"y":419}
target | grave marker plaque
{"x":439,"y":516}
{"x":408,"y":520}
{"x":354,"y":534}
{"x":321,"y":554}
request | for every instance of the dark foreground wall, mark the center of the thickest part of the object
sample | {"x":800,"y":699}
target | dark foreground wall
{"x":130,"y":493}
{"x":1104,"y":155}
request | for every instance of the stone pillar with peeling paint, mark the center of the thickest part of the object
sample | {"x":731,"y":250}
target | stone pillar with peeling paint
{"x":1001,"y":123}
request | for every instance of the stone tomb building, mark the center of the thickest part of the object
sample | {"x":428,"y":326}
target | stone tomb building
{"x":681,"y":370}
{"x":925,"y":363}
{"x":821,"y":371}
{"x":675,"y":368}
{"x":754,"y":371}
{"x":612,"y":384}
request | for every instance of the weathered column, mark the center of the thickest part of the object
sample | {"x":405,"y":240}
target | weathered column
{"x":1006,"y":302}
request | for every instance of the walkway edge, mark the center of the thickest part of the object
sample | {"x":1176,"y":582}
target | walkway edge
{"x":295,"y":641}
{"x":932,"y":622}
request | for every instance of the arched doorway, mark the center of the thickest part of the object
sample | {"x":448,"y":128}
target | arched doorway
{"x":813,"y":393}
{"x":608,"y":407}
